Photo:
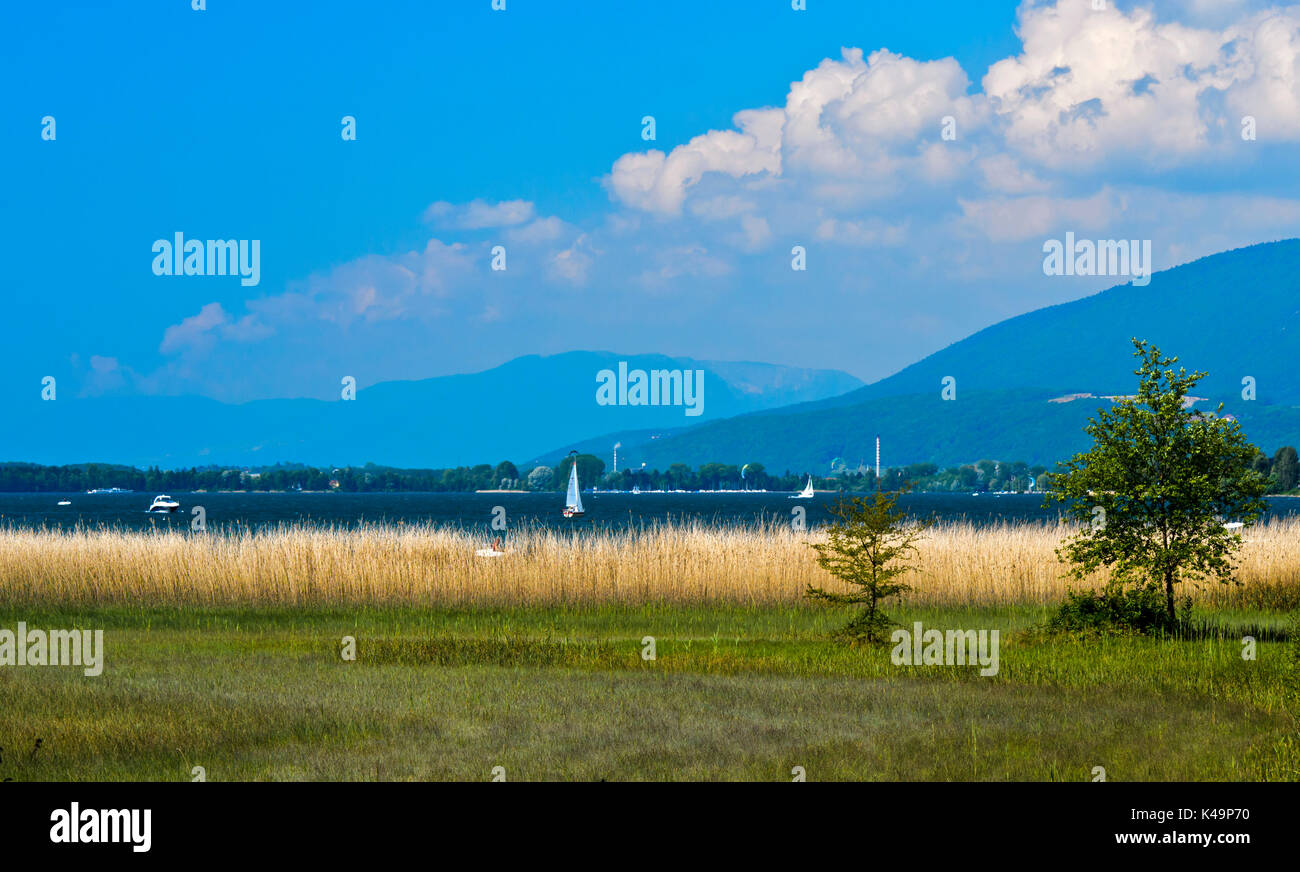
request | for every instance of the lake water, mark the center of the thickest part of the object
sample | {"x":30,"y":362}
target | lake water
{"x":475,"y":511}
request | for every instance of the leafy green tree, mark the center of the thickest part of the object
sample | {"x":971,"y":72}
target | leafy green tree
{"x":968,"y":477}
{"x":1286,"y":469}
{"x":1261,"y":464}
{"x":541,"y":478}
{"x":590,"y":470}
{"x":714,"y":475}
{"x":679,"y":476}
{"x":893,"y":479}
{"x":868,"y":547}
{"x":1162,"y":477}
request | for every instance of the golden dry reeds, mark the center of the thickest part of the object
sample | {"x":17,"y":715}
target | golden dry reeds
{"x":691,"y":563}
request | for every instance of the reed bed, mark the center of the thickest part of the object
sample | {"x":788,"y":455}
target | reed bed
{"x":682,"y":564}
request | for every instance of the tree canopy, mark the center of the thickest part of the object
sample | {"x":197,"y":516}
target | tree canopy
{"x":1158,"y":484}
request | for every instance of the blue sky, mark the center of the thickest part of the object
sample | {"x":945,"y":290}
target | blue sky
{"x":525,"y":125}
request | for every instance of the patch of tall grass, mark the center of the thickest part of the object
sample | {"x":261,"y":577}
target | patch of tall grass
{"x":959,"y":564}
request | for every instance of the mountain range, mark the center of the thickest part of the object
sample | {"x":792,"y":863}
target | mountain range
{"x":512,"y":411}
{"x":1025,"y":386}
{"x":1020,"y":389}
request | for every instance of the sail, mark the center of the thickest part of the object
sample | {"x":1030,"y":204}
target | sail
{"x":807,"y":489}
{"x":574,"y":498}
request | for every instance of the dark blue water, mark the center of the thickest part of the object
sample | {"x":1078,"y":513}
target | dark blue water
{"x":475,"y":511}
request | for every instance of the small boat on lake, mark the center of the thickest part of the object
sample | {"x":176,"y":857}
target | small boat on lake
{"x":573,"y":499}
{"x":163,"y":503}
{"x":806,"y":493}
{"x":495,"y":551}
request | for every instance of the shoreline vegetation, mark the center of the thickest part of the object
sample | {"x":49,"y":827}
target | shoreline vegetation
{"x":983,"y":476}
{"x":959,"y":565}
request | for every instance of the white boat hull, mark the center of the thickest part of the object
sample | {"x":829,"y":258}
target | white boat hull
{"x":163,"y":504}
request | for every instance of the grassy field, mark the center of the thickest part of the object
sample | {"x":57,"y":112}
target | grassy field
{"x":225,"y":653}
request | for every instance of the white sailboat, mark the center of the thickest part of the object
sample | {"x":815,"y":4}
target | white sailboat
{"x":806,"y":493}
{"x":573,"y":500}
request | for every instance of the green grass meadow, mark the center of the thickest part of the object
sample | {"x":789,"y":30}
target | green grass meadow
{"x":564,"y":694}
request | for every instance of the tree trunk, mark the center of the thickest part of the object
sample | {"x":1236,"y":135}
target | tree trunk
{"x":1169,"y":596}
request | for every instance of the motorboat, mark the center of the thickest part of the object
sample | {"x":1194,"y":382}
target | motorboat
{"x":163,"y":503}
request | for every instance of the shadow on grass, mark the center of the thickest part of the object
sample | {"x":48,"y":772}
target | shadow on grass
{"x":1197,"y":629}
{"x":1188,"y":630}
